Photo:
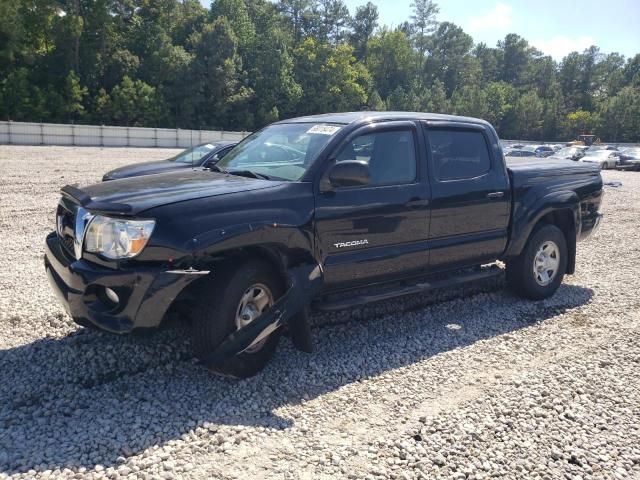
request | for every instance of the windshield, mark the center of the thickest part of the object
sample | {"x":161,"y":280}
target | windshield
{"x":282,"y":151}
{"x":193,"y":155}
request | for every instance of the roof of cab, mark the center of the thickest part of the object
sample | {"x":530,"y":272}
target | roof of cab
{"x":352,"y":117}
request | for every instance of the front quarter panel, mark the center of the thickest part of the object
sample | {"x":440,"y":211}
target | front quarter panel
{"x":195,"y":232}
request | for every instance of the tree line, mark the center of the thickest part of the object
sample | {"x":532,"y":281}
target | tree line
{"x":244,"y":63}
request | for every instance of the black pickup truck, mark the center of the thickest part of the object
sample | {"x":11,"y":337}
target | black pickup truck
{"x":363,"y":207}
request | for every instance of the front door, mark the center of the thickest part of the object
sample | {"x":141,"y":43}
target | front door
{"x":378,"y":231}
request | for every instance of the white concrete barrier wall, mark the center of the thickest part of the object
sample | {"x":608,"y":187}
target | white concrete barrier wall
{"x":23,"y":133}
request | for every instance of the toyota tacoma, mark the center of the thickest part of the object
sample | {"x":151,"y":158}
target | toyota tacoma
{"x":320,"y":212}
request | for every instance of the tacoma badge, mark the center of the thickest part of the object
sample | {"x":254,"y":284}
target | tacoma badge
{"x":353,"y":243}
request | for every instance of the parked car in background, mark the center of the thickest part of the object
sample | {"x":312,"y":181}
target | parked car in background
{"x":543,"y":150}
{"x":570,"y":153}
{"x":200,"y":156}
{"x":629,"y":159}
{"x":516,"y":152}
{"x":605,"y":158}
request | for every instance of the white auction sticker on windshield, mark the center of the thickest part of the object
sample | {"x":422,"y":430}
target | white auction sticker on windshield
{"x":209,"y":146}
{"x":324,"y":129}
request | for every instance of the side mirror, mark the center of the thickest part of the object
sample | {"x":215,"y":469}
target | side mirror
{"x":212,"y":161}
{"x":349,"y":173}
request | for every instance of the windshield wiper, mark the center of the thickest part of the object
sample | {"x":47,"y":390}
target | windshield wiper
{"x":241,"y":173}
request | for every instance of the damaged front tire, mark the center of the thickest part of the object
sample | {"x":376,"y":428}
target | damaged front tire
{"x":229,"y":301}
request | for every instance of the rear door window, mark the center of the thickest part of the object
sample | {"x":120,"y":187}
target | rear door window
{"x":458,"y":154}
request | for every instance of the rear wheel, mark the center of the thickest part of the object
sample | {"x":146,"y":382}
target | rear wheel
{"x":228,"y":303}
{"x":538,"y":271}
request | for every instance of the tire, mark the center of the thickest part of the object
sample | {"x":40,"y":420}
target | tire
{"x":539,"y":253}
{"x":604,"y":166}
{"x":216,"y":315}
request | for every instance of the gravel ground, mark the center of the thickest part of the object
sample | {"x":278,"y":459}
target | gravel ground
{"x":474,"y":384}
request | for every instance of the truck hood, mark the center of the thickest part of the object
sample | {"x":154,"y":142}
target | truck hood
{"x":136,"y":194}
{"x":146,"y":168}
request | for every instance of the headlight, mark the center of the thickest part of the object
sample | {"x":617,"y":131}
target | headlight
{"x":117,"y":238}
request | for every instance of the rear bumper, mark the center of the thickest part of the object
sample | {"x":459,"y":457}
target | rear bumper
{"x":145,"y":294}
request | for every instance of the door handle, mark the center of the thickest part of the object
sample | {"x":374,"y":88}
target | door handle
{"x":495,"y":195}
{"x":417,"y":203}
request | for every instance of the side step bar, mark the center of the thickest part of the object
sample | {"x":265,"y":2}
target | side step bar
{"x":419,"y":287}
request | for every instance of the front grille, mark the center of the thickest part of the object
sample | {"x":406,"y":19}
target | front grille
{"x":65,"y":223}
{"x":67,"y":243}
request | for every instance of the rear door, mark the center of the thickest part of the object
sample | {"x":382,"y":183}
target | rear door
{"x":379,"y":231}
{"x":470,"y":195}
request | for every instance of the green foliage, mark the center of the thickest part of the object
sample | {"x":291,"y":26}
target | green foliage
{"x":235,"y":11}
{"x":375,"y":102}
{"x":619,"y":116}
{"x":500,"y":97}
{"x":423,"y":24}
{"x":74,"y":95}
{"x":133,"y":103}
{"x":470,"y":101}
{"x":242,"y":64}
{"x":529,"y":109}
{"x":330,"y":78}
{"x":363,"y":25}
{"x":450,"y":60}
{"x":20,"y":99}
{"x":578,"y":123}
{"x":390,"y":60}
{"x":12,"y":33}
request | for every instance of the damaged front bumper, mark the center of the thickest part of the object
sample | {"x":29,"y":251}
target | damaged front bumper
{"x":143,"y":294}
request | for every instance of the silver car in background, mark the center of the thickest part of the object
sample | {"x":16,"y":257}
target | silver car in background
{"x":605,"y":158}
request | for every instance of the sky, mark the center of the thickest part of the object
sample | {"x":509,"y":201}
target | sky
{"x":556,"y":27}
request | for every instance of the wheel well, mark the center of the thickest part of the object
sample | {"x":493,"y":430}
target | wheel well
{"x":565,"y":221}
{"x":181,"y":306}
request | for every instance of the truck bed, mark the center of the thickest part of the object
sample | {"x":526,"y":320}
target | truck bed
{"x":549,"y":166}
{"x":539,"y":181}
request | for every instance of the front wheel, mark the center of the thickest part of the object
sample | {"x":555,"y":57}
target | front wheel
{"x":237,"y":297}
{"x":538,"y":271}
